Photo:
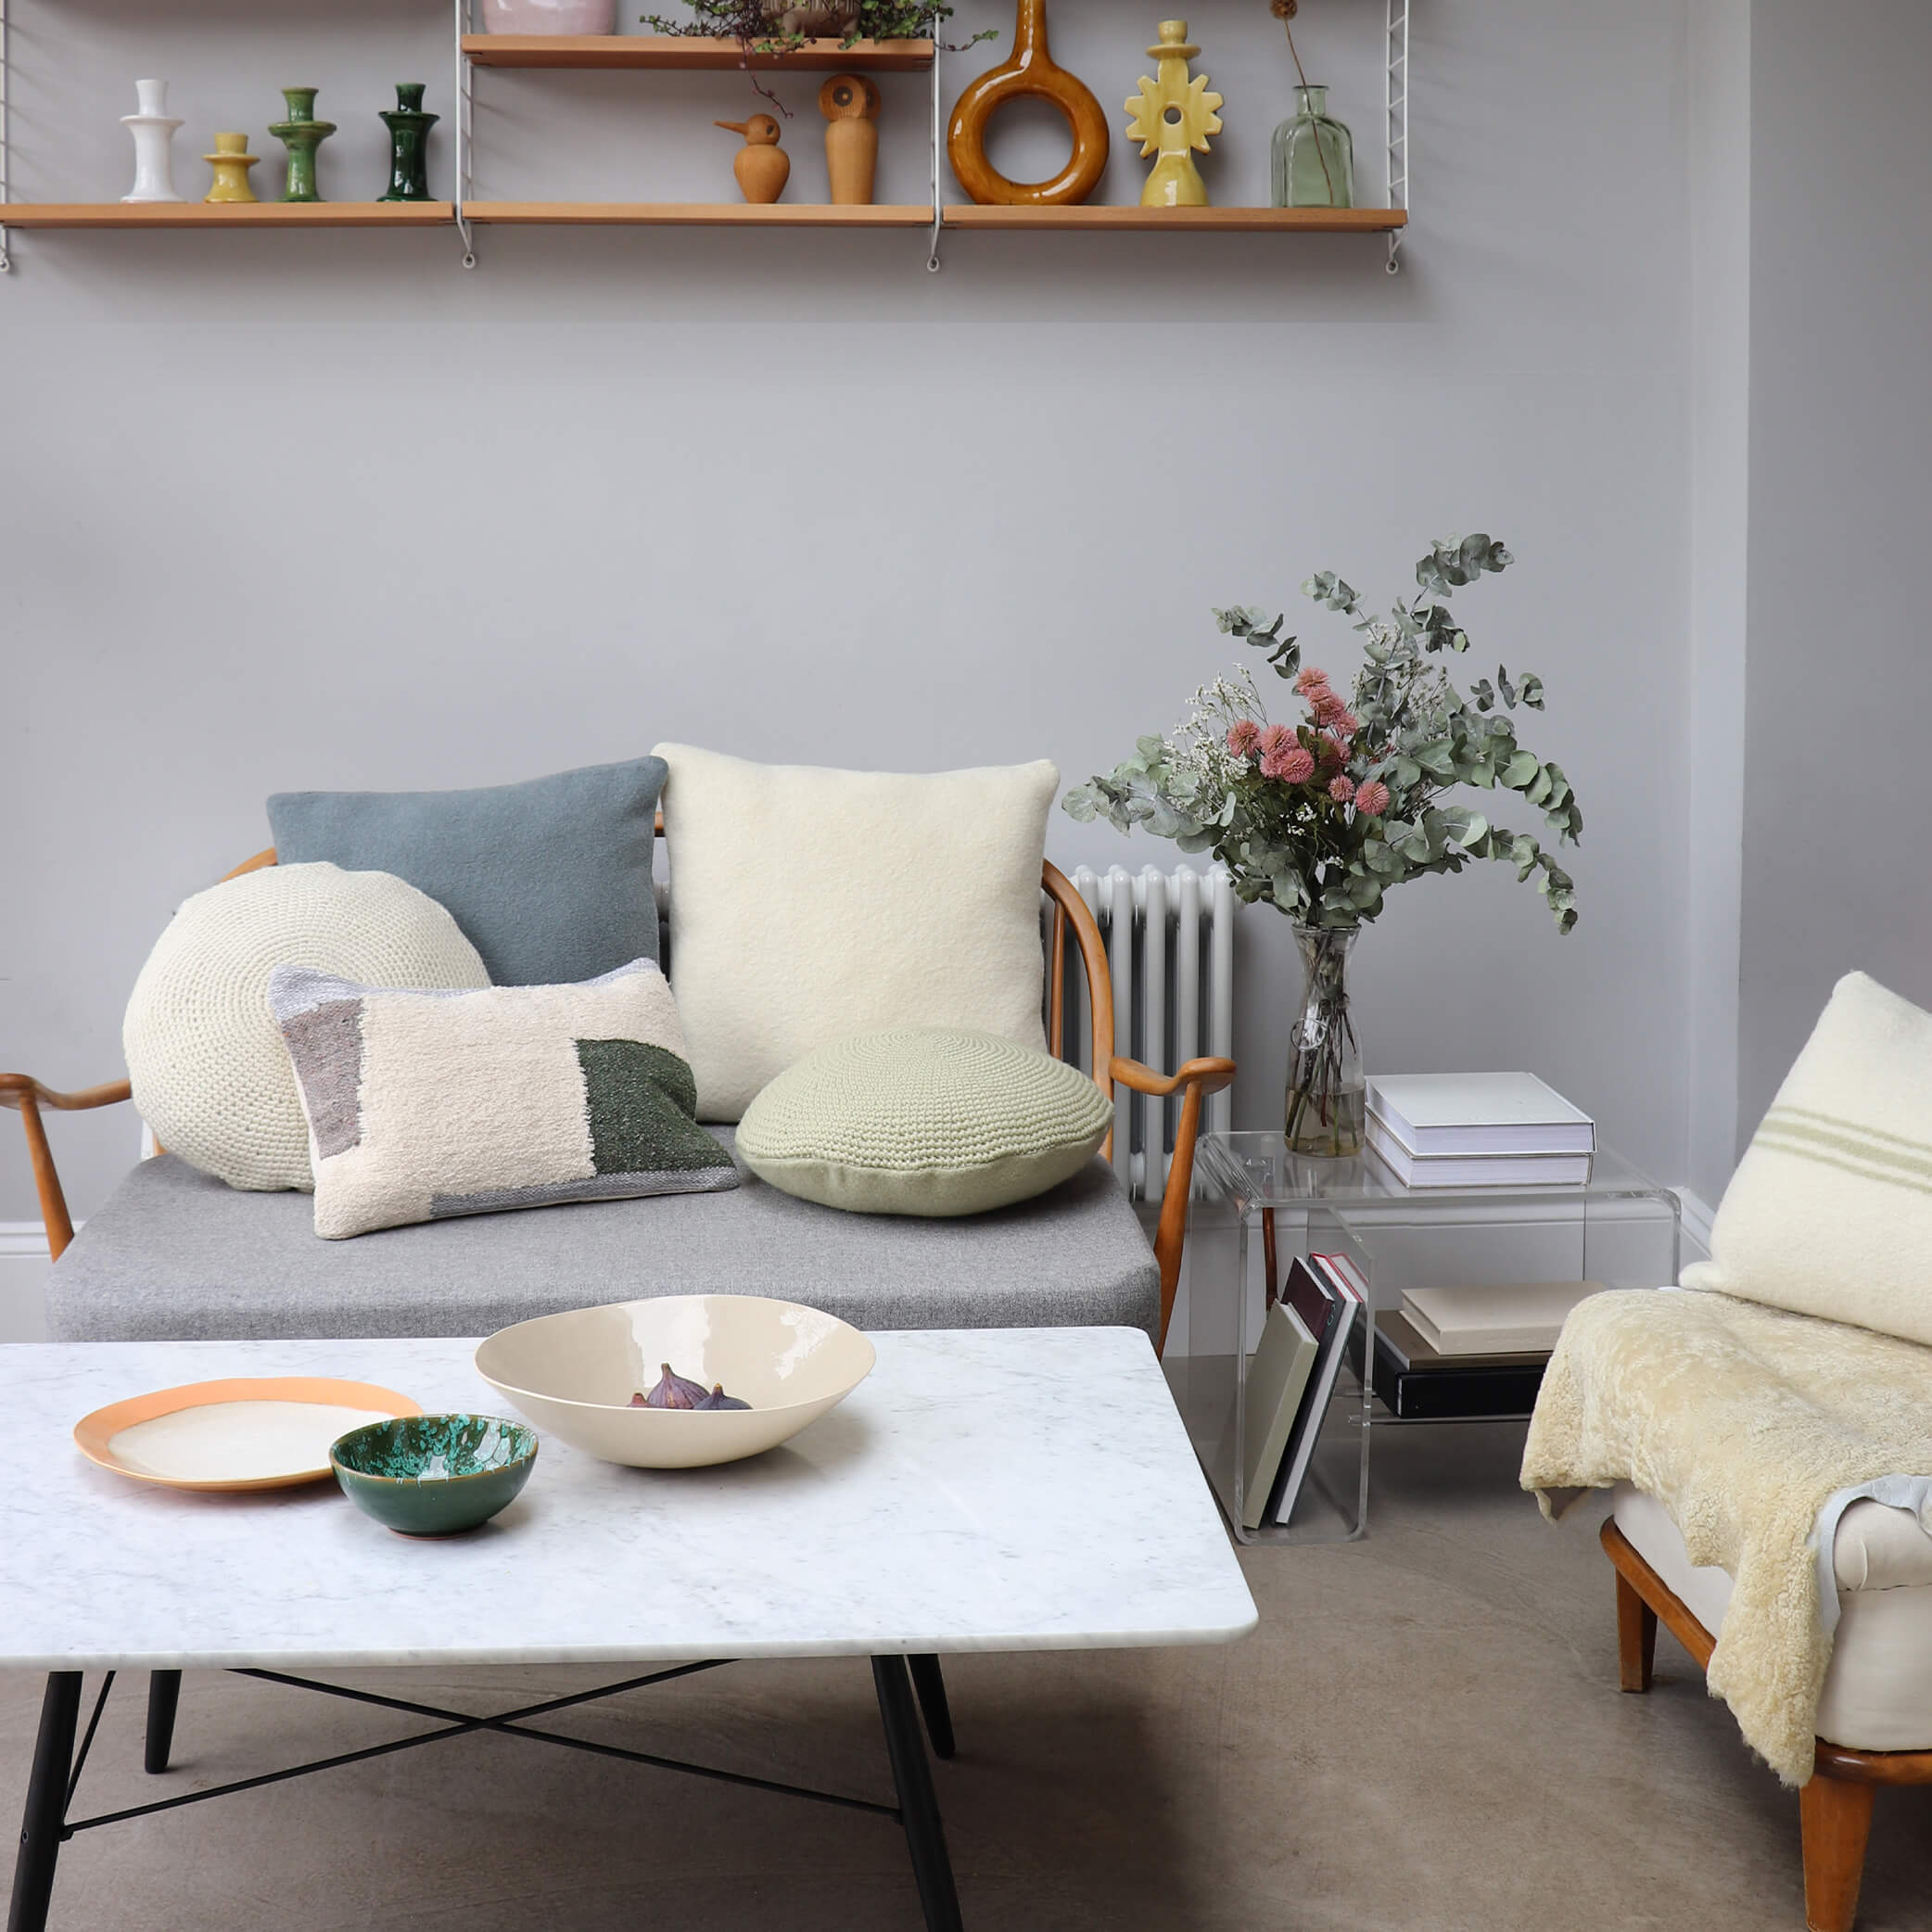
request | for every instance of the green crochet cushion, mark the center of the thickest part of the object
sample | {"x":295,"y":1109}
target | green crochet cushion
{"x":919,"y":1121}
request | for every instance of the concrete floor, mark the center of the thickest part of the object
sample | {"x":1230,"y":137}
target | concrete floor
{"x":1425,"y":1733}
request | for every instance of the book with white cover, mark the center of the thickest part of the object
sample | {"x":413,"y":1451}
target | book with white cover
{"x":1493,"y":1320}
{"x":1479,"y":1113}
{"x":1277,"y":1377}
{"x":1414,"y":1170}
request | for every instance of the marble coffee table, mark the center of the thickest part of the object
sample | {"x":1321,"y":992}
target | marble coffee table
{"x":983,"y":1490}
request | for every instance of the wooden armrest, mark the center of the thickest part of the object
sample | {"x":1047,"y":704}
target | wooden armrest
{"x":21,"y":1091}
{"x":1206,"y":1075}
{"x":1199,"y":1077}
{"x":16,"y":1090}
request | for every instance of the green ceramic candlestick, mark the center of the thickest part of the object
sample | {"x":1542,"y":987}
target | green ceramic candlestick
{"x":301,"y":134}
{"x":409,"y":144}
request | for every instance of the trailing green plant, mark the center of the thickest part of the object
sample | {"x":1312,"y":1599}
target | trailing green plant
{"x":759,"y":29}
{"x":1323,"y":818}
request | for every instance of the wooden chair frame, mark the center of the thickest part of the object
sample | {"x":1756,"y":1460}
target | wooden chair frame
{"x":1195,"y":1081}
{"x":1835,"y":1808}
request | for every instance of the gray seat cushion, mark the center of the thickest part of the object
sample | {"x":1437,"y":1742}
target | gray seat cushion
{"x":177,"y":1256}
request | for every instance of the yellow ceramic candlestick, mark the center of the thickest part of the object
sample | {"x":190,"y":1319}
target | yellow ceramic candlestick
{"x":1173,"y":117}
{"x":231,"y":160}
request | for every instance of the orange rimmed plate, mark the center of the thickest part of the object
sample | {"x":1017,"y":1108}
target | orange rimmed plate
{"x":250,"y":1433}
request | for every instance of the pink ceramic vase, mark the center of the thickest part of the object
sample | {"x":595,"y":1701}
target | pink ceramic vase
{"x":550,"y":16}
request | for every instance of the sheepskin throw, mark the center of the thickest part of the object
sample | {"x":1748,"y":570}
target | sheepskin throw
{"x":425,"y":1105}
{"x":923,"y":1123}
{"x":210,"y":1072}
{"x":809,"y":905}
{"x":1830,"y":1210}
{"x":1745,"y":1422}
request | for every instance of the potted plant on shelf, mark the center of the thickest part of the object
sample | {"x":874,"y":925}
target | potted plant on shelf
{"x":782,"y":26}
{"x":1322,"y":817}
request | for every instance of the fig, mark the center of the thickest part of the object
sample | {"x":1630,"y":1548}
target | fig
{"x":718,"y":1399}
{"x":673,"y":1391}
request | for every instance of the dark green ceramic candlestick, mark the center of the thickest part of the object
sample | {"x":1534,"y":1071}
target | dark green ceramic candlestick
{"x":302,"y":133}
{"x":409,"y":144}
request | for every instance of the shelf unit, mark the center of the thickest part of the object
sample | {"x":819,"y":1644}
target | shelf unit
{"x":232,"y":214}
{"x":694,"y":54}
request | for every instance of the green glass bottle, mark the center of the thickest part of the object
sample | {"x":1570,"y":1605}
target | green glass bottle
{"x":409,"y":144}
{"x":301,"y":134}
{"x":1314,"y":155}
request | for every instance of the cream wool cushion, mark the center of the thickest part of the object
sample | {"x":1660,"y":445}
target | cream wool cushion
{"x":1830,"y":1210}
{"x":423,"y":1106}
{"x":809,"y":904}
{"x":210,"y":1072}
{"x":923,"y":1121}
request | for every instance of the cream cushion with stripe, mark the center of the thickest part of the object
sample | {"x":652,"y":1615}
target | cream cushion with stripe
{"x":923,"y":1121}
{"x":1830,"y":1211}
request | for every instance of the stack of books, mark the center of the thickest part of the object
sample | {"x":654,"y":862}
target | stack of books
{"x":1478,"y":1130}
{"x":1469,"y":1353}
{"x":1291,"y":1378}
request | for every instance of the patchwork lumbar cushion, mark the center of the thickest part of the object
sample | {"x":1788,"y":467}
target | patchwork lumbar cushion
{"x":550,"y":879}
{"x":1830,"y":1210}
{"x":210,"y":1072}
{"x":423,"y":1105}
{"x":923,"y":1121}
{"x":809,"y":904}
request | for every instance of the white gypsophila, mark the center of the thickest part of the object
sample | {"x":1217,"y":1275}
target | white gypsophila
{"x":1197,"y":751}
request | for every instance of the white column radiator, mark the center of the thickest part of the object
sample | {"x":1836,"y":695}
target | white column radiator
{"x":1170,"y":946}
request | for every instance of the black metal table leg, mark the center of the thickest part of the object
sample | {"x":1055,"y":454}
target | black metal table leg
{"x":925,"y":1836}
{"x":937,"y":1712}
{"x":46,"y":1816}
{"x":163,"y":1698}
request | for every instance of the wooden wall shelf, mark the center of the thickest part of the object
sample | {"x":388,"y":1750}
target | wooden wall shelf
{"x":696,"y":214}
{"x":231,"y":214}
{"x":1223,"y":221}
{"x":688,"y":51}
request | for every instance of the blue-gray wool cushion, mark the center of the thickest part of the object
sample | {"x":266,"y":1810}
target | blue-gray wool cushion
{"x":550,"y":880}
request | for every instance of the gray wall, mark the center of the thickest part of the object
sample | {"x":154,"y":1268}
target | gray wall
{"x":1836,"y":861}
{"x":322,"y":510}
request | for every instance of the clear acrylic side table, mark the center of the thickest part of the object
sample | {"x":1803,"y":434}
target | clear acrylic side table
{"x":1261,"y":1206}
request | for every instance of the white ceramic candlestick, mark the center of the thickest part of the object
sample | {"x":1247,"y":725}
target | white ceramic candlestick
{"x":153,"y":139}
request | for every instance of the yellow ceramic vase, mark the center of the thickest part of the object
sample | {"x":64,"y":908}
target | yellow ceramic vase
{"x":1173,"y":117}
{"x":231,"y":160}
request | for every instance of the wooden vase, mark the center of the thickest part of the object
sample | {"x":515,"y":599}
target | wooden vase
{"x":1030,"y":72}
{"x":850,"y":104}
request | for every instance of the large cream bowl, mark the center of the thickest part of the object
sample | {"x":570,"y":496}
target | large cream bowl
{"x":574,"y":1374}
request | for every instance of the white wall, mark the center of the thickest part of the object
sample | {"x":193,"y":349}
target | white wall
{"x":322,"y":510}
{"x":1837,"y":864}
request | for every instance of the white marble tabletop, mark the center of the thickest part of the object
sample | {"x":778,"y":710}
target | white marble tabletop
{"x":982,"y":1489}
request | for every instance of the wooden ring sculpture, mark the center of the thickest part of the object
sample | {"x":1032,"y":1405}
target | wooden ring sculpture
{"x":1031,"y":71}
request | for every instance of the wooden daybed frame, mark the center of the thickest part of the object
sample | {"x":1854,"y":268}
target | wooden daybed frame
{"x":1194,"y":1082}
{"x":1834,"y":1809}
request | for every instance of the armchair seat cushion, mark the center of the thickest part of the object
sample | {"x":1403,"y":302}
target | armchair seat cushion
{"x":177,"y":1256}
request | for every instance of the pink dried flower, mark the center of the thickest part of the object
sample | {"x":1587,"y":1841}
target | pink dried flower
{"x":1243,"y":737}
{"x":1276,"y":740}
{"x":1345,"y":724}
{"x":1332,"y":752}
{"x":1293,"y":766}
{"x":1372,"y":800}
{"x":1341,"y":789}
{"x":1312,"y":680}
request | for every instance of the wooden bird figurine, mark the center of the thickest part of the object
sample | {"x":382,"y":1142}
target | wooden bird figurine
{"x":762,"y":166}
{"x":850,"y":104}
{"x":1173,"y":116}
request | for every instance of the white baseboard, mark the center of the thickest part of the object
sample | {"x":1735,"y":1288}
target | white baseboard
{"x":23,"y":1274}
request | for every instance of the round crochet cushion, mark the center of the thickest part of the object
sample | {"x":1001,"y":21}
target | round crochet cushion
{"x":924,"y":1122}
{"x":209,"y":1072}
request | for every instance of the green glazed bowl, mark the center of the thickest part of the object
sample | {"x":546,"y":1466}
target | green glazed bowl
{"x":434,"y":1475}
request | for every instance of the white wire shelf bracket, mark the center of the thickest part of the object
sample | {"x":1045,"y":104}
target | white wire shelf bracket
{"x":1396,"y":121}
